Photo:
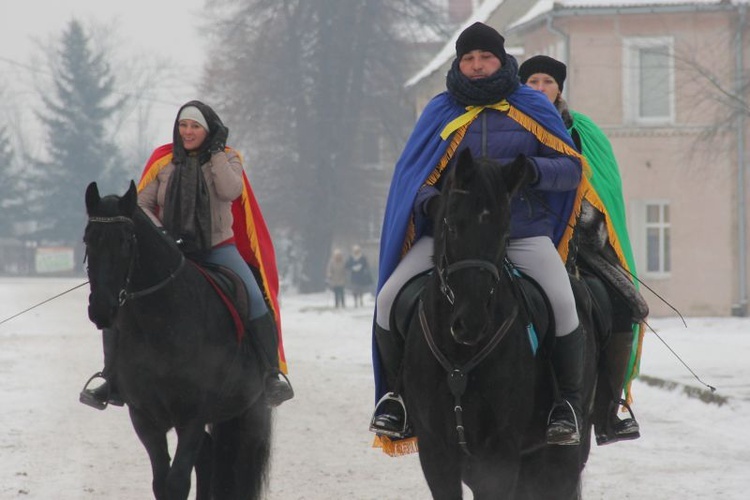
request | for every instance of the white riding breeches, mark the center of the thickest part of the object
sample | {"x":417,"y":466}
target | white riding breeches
{"x":535,"y":256}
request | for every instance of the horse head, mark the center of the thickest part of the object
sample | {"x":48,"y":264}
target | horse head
{"x":110,"y":250}
{"x":471,"y":237}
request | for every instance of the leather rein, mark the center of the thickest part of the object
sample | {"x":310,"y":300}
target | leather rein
{"x":457,"y":376}
{"x":124,"y":295}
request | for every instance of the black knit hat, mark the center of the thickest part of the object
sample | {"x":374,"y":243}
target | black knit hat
{"x":546,"y":65}
{"x":479,"y":36}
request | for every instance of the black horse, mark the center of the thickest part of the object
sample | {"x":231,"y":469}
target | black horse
{"x":179,"y":364}
{"x":476,"y":393}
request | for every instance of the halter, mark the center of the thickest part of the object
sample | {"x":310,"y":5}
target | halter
{"x":123,"y":294}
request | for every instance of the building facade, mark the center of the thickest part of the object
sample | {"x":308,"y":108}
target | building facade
{"x":668,"y":83}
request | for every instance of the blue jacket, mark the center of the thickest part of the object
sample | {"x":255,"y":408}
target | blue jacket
{"x":506,"y":138}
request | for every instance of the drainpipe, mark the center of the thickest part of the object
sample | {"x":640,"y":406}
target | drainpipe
{"x":566,"y":44}
{"x":740,"y":309}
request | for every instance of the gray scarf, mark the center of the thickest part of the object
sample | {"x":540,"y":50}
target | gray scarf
{"x":187,"y":208}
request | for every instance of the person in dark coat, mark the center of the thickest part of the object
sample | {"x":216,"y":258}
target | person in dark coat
{"x":360,"y":277}
{"x":486,"y":110}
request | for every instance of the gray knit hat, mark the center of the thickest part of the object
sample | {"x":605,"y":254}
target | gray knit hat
{"x":193,"y":113}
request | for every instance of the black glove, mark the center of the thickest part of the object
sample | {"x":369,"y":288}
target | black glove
{"x":219,"y":138}
{"x":532,"y":172}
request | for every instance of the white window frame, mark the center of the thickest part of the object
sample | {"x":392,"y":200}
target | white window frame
{"x":632,"y":77}
{"x":639,"y":237}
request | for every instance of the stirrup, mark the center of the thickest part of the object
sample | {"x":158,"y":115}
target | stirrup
{"x":279,"y":396}
{"x":398,"y":434}
{"x":87,"y":397}
{"x":574,"y":438}
{"x":624,"y":429}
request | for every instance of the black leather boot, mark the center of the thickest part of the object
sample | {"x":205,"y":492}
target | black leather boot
{"x":277,"y":390}
{"x":608,"y":427}
{"x":106,"y":393}
{"x":567,"y":360}
{"x":389,"y":417}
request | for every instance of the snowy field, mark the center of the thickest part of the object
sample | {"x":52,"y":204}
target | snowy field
{"x":52,"y":447}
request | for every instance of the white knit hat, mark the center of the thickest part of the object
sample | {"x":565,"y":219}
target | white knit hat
{"x":193,"y":113}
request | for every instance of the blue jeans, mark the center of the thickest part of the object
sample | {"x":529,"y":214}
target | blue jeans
{"x":229,"y":256}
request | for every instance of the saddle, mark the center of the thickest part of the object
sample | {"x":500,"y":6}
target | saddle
{"x":231,"y":289}
{"x":590,"y":293}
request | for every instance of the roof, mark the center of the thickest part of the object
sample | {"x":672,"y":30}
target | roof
{"x":538,"y":12}
{"x":543,"y":7}
{"x":448,"y":52}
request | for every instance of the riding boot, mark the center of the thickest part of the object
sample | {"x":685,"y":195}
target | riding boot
{"x":608,"y":427}
{"x":389,"y":417}
{"x":567,"y":361}
{"x":277,"y":390}
{"x":106,"y":393}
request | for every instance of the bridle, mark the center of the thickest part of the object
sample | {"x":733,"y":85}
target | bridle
{"x":124,"y":295}
{"x":457,"y":376}
{"x":445,"y":269}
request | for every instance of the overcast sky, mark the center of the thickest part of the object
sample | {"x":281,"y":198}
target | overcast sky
{"x":144,"y":27}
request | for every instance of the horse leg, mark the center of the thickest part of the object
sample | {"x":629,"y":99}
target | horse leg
{"x":441,"y":469}
{"x":154,"y":440}
{"x":203,"y":466}
{"x":494,"y":476}
{"x":189,"y":443}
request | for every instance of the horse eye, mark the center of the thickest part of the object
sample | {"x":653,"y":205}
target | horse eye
{"x":484,"y":216}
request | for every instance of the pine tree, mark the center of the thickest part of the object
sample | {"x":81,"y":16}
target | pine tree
{"x":75,"y":117}
{"x":11,"y":196}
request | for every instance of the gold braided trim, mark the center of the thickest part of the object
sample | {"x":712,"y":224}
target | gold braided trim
{"x":590,"y":195}
{"x":554,"y":142}
{"x":411,"y":231}
{"x":635,"y":370}
{"x":154,"y":170}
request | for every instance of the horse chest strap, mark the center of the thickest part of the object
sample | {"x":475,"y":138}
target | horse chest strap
{"x":457,"y":382}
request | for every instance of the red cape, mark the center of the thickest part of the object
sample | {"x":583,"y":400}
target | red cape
{"x":250,"y":233}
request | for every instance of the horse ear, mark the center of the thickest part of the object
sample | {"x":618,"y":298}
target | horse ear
{"x":129,"y":201}
{"x":92,"y":197}
{"x":464,"y":167}
{"x":519,"y":173}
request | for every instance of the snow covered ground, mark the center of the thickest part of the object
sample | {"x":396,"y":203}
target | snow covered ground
{"x":52,"y":447}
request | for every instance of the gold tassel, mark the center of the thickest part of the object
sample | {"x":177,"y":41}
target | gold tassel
{"x":398,"y":447}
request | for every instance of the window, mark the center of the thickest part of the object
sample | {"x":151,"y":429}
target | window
{"x":648,"y":81}
{"x":654,"y":238}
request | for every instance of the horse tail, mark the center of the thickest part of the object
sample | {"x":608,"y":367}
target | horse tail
{"x":242,"y":454}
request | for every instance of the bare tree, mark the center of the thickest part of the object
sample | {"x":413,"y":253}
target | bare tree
{"x":304,"y":85}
